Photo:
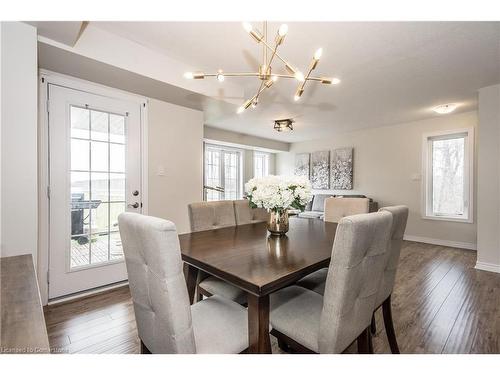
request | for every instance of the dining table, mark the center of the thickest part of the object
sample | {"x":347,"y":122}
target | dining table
{"x":250,"y":258}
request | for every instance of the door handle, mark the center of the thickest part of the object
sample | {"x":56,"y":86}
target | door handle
{"x":134,"y":205}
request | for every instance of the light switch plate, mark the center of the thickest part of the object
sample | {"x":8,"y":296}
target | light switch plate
{"x":160,"y":171}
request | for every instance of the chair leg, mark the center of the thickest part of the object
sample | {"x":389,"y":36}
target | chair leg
{"x":363,"y":342}
{"x":370,"y":342}
{"x":144,"y":349}
{"x":389,"y":325}
{"x":373,"y":326}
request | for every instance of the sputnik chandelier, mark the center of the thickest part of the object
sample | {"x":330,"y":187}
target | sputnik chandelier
{"x":265,"y":73}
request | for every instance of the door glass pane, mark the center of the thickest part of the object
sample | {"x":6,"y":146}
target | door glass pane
{"x":115,"y":246}
{"x":100,"y":218}
{"x":94,"y":220}
{"x":117,"y":129}
{"x":100,"y":191}
{"x":99,"y":126}
{"x":99,"y":248}
{"x":117,"y":187}
{"x":117,"y":158}
{"x":448,"y":176}
{"x":99,"y":156}
{"x":79,"y":123}
{"x":79,"y":155}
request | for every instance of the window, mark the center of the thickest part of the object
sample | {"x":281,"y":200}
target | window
{"x":222,"y":171}
{"x":448,"y":175}
{"x":260,"y":164}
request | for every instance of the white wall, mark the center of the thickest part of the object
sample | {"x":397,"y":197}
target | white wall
{"x":19,"y":207}
{"x":488,"y":201}
{"x":385,"y":159}
{"x":175,"y":144}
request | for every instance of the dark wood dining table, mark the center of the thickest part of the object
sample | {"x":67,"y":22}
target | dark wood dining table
{"x":249,"y":258}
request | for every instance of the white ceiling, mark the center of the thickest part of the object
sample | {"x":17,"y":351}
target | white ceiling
{"x":391,"y":72}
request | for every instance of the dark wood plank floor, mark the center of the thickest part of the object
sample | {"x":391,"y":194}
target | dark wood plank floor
{"x":441,"y":305}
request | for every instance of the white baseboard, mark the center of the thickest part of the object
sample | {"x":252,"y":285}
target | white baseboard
{"x":491,"y":267}
{"x":435,"y":241}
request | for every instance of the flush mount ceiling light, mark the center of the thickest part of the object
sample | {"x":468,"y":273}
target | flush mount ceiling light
{"x":445,"y":108}
{"x":284,"y":125}
{"x":265,"y":74}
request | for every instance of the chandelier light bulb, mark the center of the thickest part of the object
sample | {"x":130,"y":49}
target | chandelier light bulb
{"x":274,"y":78}
{"x":299,"y":76}
{"x":335,"y":81}
{"x":318,"y":53}
{"x":247,"y":26}
{"x":188,"y":75}
{"x":220,"y":76}
{"x":240,"y":110}
{"x":296,"y":97}
{"x":283,"y":30}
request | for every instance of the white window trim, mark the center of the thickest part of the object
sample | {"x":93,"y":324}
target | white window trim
{"x":427,"y":175}
{"x":259,"y":153}
{"x":241,"y":165}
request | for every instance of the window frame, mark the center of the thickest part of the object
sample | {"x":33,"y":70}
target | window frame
{"x":427,"y":194}
{"x":239,"y":172}
{"x":257,"y":154}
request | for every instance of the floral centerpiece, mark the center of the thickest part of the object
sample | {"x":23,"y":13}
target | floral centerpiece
{"x":278,"y":194}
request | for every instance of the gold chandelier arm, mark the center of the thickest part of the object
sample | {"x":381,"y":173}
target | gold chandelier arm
{"x":308,"y":77}
{"x":235,"y":74}
{"x":246,"y":74}
{"x":268,"y":67}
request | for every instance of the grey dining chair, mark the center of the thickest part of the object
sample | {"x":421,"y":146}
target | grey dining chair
{"x":306,"y":321}
{"x":166,"y":322}
{"x":335,"y":209}
{"x":207,"y":216}
{"x":317,"y":280}
{"x":246,"y":215}
{"x":399,"y":219}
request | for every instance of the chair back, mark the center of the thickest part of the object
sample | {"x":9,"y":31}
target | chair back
{"x":354,"y":274}
{"x":337,"y":208}
{"x":211,"y":215}
{"x":157,"y":284}
{"x":399,"y":219}
{"x":247,"y":215}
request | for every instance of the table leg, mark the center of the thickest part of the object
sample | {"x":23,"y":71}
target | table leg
{"x":191,"y":275}
{"x":258,"y":324}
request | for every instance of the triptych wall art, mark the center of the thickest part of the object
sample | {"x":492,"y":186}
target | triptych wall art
{"x":327,"y":170}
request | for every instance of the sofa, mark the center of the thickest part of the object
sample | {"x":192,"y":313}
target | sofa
{"x":316,"y":208}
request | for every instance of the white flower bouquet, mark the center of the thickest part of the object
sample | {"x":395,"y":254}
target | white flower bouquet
{"x":279,"y":193}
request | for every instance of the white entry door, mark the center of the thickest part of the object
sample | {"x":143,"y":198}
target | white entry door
{"x":95,"y":174}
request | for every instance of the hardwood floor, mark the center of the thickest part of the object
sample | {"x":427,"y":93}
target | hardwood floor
{"x":441,"y":304}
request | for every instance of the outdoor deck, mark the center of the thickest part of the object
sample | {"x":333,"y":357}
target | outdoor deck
{"x":81,"y":256}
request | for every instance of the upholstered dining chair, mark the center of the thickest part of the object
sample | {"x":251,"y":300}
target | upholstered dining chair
{"x":246,"y":215}
{"x":308,"y":322}
{"x":208,"y":216}
{"x":166,"y":323}
{"x":337,"y":208}
{"x":399,"y":219}
{"x":317,"y":280}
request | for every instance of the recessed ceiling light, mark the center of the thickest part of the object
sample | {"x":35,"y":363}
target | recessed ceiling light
{"x":445,"y":108}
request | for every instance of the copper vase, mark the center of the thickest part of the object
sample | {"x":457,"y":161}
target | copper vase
{"x":277,"y":224}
